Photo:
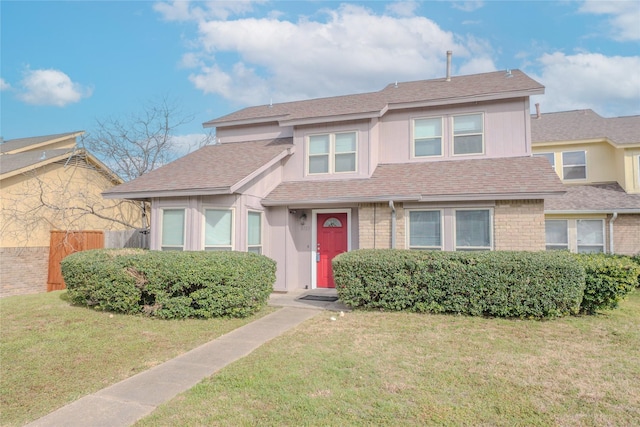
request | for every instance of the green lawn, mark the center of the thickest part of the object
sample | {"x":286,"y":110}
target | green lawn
{"x":52,"y":353}
{"x":373,"y":368}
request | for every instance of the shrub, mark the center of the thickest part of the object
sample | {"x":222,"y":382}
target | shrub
{"x":505,"y":284}
{"x":170,"y":284}
{"x":608,"y":280}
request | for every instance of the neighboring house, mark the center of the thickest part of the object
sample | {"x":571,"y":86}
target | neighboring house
{"x":598,"y":159}
{"x":443,"y":164}
{"x":48,"y":183}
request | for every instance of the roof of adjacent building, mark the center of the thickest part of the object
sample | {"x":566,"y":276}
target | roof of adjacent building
{"x":604,"y":198}
{"x":495,"y":85}
{"x":13,"y":146}
{"x":478,"y":179}
{"x":213,"y":169}
{"x":581,"y":125}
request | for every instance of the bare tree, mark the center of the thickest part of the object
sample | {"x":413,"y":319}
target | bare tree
{"x":143,"y":141}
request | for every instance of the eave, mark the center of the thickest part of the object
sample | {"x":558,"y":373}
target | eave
{"x":36,"y":165}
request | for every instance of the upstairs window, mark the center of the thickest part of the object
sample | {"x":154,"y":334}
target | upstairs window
{"x":427,"y":137}
{"x":332,"y":153}
{"x":218,"y":230}
{"x":549,"y":156}
{"x":574,"y":165}
{"x":468,"y":134}
{"x":172,"y":230}
{"x":254,"y":232}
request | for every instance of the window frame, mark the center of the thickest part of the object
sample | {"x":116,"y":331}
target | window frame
{"x":261,"y":234}
{"x":164,"y":247}
{"x":414,"y":138}
{"x":558,"y":246}
{"x":546,"y":156}
{"x":481,"y":133}
{"x":472,"y":248}
{"x":331,"y":167}
{"x":229,"y":247}
{"x":565,"y":165}
{"x":604,"y":235}
{"x":408,"y":232}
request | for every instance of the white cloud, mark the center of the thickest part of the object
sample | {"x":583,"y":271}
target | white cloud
{"x":185,"y":10}
{"x":624,"y":17}
{"x":402,"y":8}
{"x":468,"y":6}
{"x":185,"y":144}
{"x":51,"y":87}
{"x":608,"y":85}
{"x":4,"y":85}
{"x":348,"y":50}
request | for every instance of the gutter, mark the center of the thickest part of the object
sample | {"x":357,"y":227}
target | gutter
{"x":613,"y":218}
{"x":393,"y":224}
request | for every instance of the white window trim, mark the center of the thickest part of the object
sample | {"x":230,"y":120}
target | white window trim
{"x":572,"y":233}
{"x":261,"y":245}
{"x":408,"y":230}
{"x":546,"y":153}
{"x":453,"y":134}
{"x":332,"y":153}
{"x":604,"y":234}
{"x":546,"y":243}
{"x":184,"y":227}
{"x":586,"y":172}
{"x":474,"y":248}
{"x":203,"y":245}
{"x":413,"y":137}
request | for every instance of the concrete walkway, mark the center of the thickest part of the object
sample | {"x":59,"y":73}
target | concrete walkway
{"x":124,"y":403}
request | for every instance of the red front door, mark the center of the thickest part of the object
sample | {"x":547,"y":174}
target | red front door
{"x":332,"y":240}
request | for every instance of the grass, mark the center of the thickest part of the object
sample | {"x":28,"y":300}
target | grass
{"x":373,"y":368}
{"x":52,"y":353}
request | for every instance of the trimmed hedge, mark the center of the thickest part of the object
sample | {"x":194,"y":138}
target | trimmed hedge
{"x":500,"y":283}
{"x":609,"y":279}
{"x":170,"y":284}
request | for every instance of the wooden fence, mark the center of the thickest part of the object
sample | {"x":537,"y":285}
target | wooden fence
{"x":65,"y":243}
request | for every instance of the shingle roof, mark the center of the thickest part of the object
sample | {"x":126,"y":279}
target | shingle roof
{"x":486,"y":179}
{"x":594,"y":198}
{"x":214,"y":168}
{"x":20,"y":143}
{"x":424,"y":91}
{"x":584,"y":124}
{"x":13,"y":162}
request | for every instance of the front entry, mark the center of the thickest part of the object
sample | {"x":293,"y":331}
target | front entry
{"x":332,"y":240}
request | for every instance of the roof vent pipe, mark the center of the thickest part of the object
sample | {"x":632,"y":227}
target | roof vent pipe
{"x":537,"y":110}
{"x":449,"y":53}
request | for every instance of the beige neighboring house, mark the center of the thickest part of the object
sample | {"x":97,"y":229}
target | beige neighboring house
{"x":49,"y":183}
{"x":598,"y":160}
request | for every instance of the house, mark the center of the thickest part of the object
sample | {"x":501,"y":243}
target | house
{"x":598,"y":159}
{"x":443,"y":164}
{"x":49,"y":183}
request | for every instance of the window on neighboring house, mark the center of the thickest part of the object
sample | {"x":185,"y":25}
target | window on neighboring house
{"x":473,"y":229}
{"x":218,"y":230}
{"x":332,"y":153}
{"x":549,"y":156}
{"x":574,"y":165}
{"x":254,"y":232}
{"x":427,"y":137}
{"x":172,"y":230}
{"x":425,"y":230}
{"x":556,"y":233}
{"x":590,"y":235}
{"x":468,"y":134}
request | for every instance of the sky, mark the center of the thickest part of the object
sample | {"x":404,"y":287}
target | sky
{"x":66,"y":64}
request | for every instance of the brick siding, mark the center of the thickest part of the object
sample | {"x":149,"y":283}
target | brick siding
{"x":23,"y":270}
{"x":375,"y":226}
{"x":519,"y":225}
{"x":626,"y":234}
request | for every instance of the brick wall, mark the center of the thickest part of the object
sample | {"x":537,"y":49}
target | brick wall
{"x":23,"y":270}
{"x":519,"y":225}
{"x":626,"y":234}
{"x":375,"y":226}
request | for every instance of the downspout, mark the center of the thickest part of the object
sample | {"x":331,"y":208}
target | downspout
{"x":393,"y":224}
{"x":613,"y":218}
